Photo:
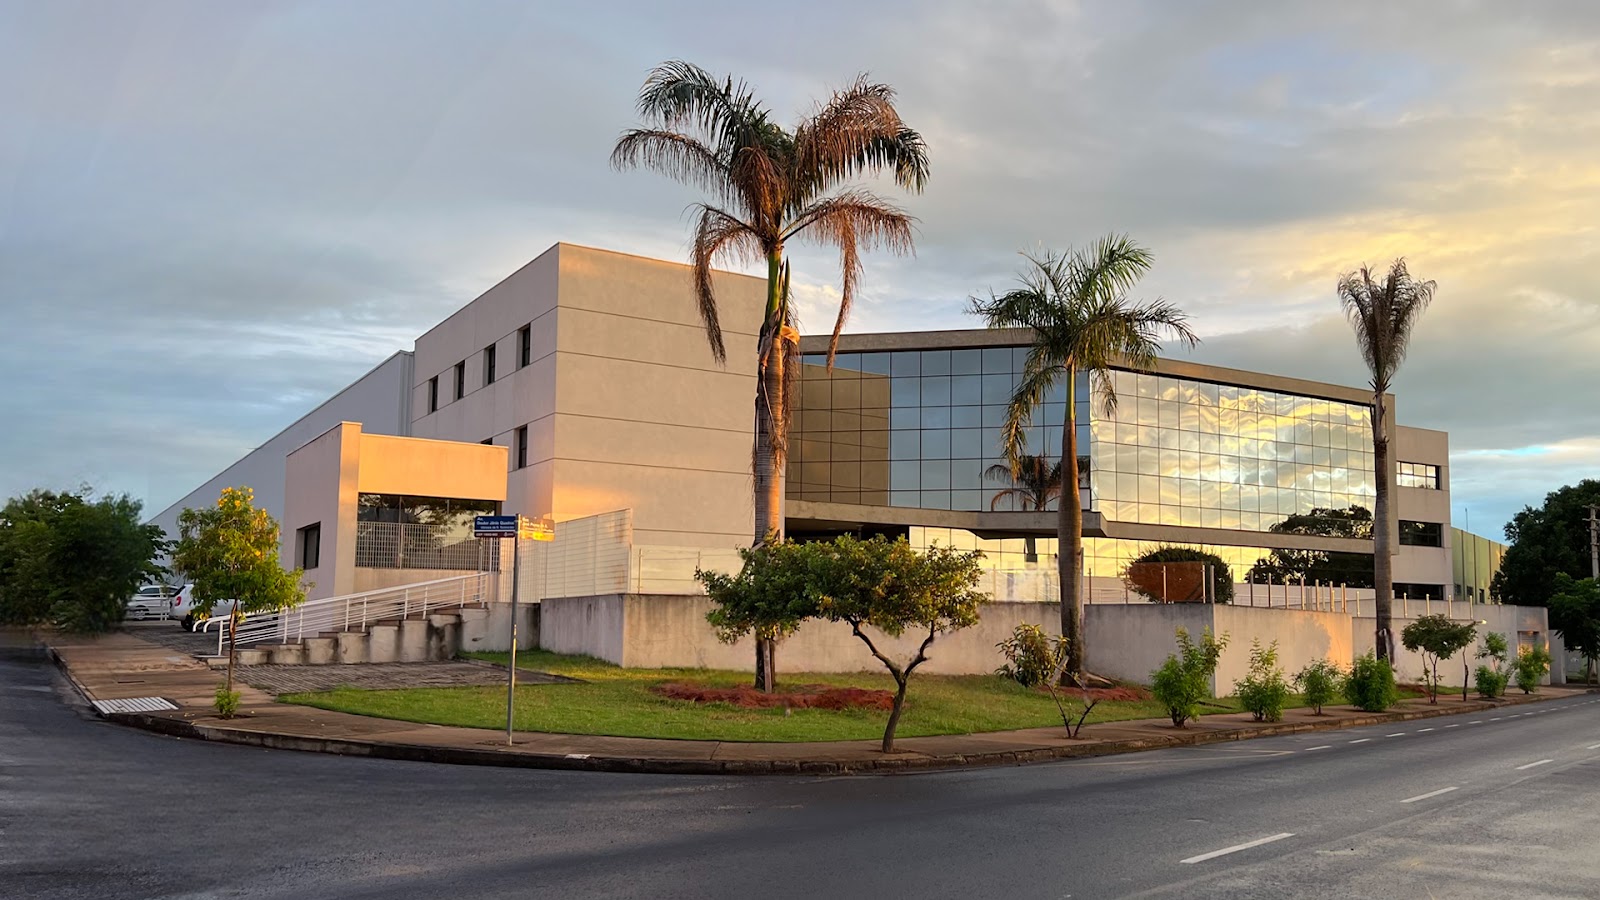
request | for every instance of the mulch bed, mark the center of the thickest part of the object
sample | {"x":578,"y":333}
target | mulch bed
{"x":1110,"y":693}
{"x":801,"y":696}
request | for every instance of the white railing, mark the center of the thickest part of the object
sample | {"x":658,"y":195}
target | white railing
{"x":356,"y":612}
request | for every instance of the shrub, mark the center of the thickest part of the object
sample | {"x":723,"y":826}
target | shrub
{"x":1437,"y":638}
{"x":1530,"y":666}
{"x":227,"y":702}
{"x":1319,"y":682}
{"x":1263,"y":691}
{"x":1183,"y":680}
{"x":1032,"y":656}
{"x":1370,"y":685}
{"x":1147,"y":582}
{"x":1490,"y":684}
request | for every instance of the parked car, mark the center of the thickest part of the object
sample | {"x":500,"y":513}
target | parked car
{"x":183,"y":608}
{"x":153,"y":601}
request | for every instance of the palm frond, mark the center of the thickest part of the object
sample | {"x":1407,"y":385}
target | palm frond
{"x":1038,"y":376}
{"x":859,"y":131}
{"x":718,"y":234}
{"x":677,"y":156}
{"x":1384,"y":315}
{"x":852,"y":221}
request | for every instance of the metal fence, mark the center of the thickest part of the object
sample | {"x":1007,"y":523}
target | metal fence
{"x":404,"y":545}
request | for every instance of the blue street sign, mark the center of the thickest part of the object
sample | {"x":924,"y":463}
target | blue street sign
{"x":494,"y":526}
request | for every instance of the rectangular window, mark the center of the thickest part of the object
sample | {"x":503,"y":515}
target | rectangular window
{"x":488,"y":364}
{"x":1421,"y":534}
{"x":524,"y":346}
{"x":522,"y":447}
{"x":308,"y":546}
{"x":461,"y":379}
{"x":1417,"y":475}
{"x":433,"y":394}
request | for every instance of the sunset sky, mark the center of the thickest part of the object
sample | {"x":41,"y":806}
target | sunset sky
{"x":214,"y":215}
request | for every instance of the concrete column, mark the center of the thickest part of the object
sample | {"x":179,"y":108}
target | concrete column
{"x":383,"y":643}
{"x":352,"y":647}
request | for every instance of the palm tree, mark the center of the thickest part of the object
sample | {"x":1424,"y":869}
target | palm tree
{"x":1383,"y":315}
{"x":1076,"y":305}
{"x":770,"y":186}
{"x":1035,"y":483}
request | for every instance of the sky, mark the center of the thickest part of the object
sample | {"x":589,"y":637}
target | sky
{"x":215,"y":215}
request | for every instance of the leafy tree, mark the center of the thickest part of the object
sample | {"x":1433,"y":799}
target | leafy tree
{"x":893,"y":588}
{"x":1384,"y":314}
{"x":1031,"y":655}
{"x":1185,"y":678}
{"x":1546,"y":542}
{"x":230,"y":552}
{"x":1370,"y":685}
{"x":1490,"y":680}
{"x":1319,"y":683}
{"x":1575,"y":615}
{"x":1263,"y":692}
{"x":72,"y":559}
{"x":1033,"y":484}
{"x":1437,"y":638}
{"x":1283,"y":566}
{"x":770,"y":186}
{"x":1530,"y":666}
{"x":767,"y":598}
{"x":1148,"y":582}
{"x":1076,"y":306}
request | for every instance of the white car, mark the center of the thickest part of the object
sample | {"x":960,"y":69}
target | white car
{"x":153,"y":601}
{"x":183,"y":608}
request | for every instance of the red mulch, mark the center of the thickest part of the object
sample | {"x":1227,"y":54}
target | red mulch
{"x":1110,"y":693}
{"x":802,"y":696}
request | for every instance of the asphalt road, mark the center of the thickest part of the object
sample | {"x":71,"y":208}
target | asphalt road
{"x":89,"y":809}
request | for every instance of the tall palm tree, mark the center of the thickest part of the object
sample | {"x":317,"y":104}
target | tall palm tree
{"x":1076,"y":305}
{"x":1383,"y":314}
{"x":1034,"y":483}
{"x":770,"y":186}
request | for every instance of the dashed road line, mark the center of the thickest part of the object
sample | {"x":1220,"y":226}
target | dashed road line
{"x":1479,"y":722}
{"x":1396,"y":734}
{"x":1235,"y":848}
{"x":1427,"y":795}
{"x":1364,"y":740}
{"x":1456,"y":725}
{"x":1425,"y":729}
{"x":1323,"y":747}
{"x":1532,"y":764}
{"x":1593,"y":747}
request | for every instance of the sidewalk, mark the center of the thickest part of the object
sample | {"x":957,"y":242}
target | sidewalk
{"x":121,"y":666}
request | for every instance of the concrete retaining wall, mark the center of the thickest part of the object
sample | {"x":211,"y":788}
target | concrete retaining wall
{"x":1507,"y":620}
{"x":489,"y":630}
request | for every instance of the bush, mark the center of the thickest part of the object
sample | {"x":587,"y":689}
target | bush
{"x":1319,"y":682}
{"x":1370,"y":685}
{"x":227,"y":702}
{"x":1182,"y":681}
{"x":1148,"y":583}
{"x":1490,"y":684}
{"x":1032,"y":656}
{"x":1263,"y":691}
{"x":1530,"y":666}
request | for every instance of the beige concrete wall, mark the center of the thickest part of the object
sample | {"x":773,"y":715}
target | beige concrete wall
{"x":1129,"y":642}
{"x":585,"y":626}
{"x":431,"y":468}
{"x":320,"y":487}
{"x":1507,"y":620}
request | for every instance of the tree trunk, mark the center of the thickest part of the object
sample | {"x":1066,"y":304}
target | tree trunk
{"x":768,"y":455}
{"x":233,"y":636}
{"x":1382,"y":529}
{"x":894,"y":714}
{"x":1069,"y":538}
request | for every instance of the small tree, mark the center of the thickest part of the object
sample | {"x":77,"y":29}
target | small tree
{"x":892,"y":588}
{"x":1185,"y":678}
{"x":1148,"y":581}
{"x":72,"y":559}
{"x":1035,"y":658}
{"x":1263,"y":692}
{"x":767,"y":598}
{"x":1319,"y":684}
{"x":1530,"y":666}
{"x":1575,"y":615}
{"x":230,"y":552}
{"x":1437,"y":638}
{"x":1370,"y":685}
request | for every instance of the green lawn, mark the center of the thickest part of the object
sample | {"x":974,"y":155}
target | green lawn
{"x":616,"y":701}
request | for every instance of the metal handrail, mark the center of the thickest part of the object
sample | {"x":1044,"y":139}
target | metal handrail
{"x":354,"y":612}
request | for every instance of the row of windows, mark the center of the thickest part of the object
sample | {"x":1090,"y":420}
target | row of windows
{"x":1417,"y":475}
{"x":490,"y":356}
{"x":1421,"y":534}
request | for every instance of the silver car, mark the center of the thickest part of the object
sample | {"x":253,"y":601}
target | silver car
{"x":153,"y":601}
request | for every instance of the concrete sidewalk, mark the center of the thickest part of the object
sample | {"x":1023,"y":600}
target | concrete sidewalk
{"x":120,"y":665}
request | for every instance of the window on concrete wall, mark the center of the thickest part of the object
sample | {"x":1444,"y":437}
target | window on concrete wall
{"x":488,"y":364}
{"x":308,"y":546}
{"x":524,"y":346}
{"x":1414,"y":591}
{"x":1421,"y":534}
{"x":1417,"y":475}
{"x":433,"y":394}
{"x":522,"y":447}
{"x":461,"y":379}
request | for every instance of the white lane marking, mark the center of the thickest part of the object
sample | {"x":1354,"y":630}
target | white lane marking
{"x":1425,"y":729}
{"x":1497,"y":718}
{"x":1427,"y":795}
{"x":1360,"y":740}
{"x":1479,"y":722}
{"x":1396,"y":734}
{"x":1235,"y":848}
{"x":1532,"y":764}
{"x":1456,"y":725}
{"x":1323,"y":747}
{"x":1593,"y":747}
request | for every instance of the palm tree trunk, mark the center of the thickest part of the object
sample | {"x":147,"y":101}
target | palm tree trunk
{"x":1382,"y":530}
{"x":768,"y":456}
{"x":1069,"y":536}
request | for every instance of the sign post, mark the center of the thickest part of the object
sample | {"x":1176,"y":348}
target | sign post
{"x":517,"y":528}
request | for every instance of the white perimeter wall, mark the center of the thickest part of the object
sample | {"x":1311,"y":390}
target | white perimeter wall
{"x":378,"y":400}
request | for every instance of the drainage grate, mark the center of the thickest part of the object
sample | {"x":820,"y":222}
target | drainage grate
{"x":133,"y":705}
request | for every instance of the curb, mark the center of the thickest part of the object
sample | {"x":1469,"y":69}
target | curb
{"x":887,"y":765}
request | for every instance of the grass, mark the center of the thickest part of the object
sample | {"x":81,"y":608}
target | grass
{"x":617,"y":701}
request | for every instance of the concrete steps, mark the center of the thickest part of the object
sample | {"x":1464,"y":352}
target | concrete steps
{"x":435,"y":636}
